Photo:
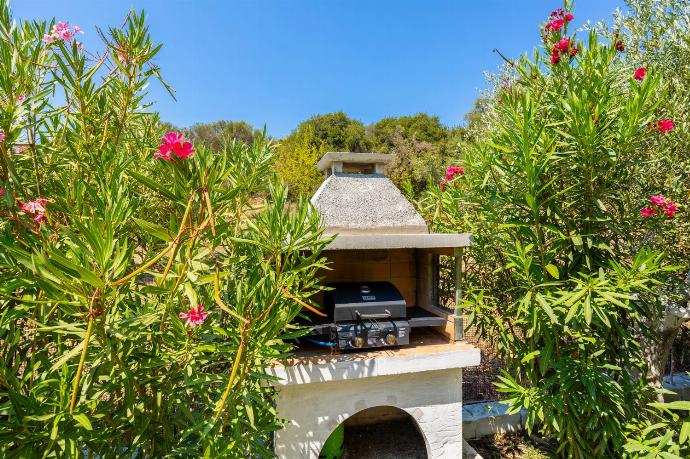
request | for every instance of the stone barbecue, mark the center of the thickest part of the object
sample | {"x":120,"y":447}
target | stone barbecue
{"x":398,"y":351}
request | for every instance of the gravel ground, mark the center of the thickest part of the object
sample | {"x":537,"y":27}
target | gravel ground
{"x":390,"y":440}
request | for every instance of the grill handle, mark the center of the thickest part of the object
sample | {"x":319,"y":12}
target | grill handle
{"x":384,"y":315}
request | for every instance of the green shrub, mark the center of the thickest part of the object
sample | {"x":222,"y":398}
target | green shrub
{"x":110,"y":244}
{"x":559,"y":278}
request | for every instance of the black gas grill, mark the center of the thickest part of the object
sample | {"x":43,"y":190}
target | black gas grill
{"x":367,"y":315}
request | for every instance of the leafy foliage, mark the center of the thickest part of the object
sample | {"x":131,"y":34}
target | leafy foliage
{"x":558,"y":277}
{"x":95,"y":358}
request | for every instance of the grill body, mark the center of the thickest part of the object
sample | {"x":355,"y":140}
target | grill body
{"x":365,"y":315}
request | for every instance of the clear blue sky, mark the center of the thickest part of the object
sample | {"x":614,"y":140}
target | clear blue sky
{"x":279,"y":62}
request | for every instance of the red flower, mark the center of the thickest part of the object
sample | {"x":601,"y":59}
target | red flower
{"x":442,"y":184}
{"x":670,"y":209}
{"x":555,"y":57}
{"x":573,"y":51}
{"x":172,"y":142}
{"x":647,"y":211}
{"x":569,"y":17}
{"x":562,"y":45}
{"x":195,"y":316}
{"x":665,"y":125}
{"x":640,"y":73}
{"x":663,"y":204}
{"x":454,"y":171}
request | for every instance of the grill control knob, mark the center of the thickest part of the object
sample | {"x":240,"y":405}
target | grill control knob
{"x":391,"y":339}
{"x":358,"y":341}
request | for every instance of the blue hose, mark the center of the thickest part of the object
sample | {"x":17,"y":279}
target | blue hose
{"x":321,"y":343}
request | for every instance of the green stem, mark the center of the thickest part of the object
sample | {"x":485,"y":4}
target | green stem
{"x":80,"y":368}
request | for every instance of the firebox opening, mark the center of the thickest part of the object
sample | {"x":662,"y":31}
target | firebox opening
{"x":380,"y":432}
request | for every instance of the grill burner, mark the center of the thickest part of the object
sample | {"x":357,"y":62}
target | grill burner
{"x":367,"y":315}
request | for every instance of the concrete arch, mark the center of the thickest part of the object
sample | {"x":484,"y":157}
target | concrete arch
{"x":385,"y":414}
{"x":432,"y":399}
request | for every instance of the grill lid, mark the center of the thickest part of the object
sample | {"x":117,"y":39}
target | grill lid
{"x":364,"y":301}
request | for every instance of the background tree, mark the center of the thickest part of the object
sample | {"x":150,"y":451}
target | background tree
{"x":655,"y":34}
{"x":219,"y":133}
{"x":299,"y":152}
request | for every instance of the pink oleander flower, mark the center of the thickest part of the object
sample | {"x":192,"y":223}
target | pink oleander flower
{"x":555,"y":57}
{"x":663,"y":204}
{"x":33,"y":207}
{"x":77,"y":30}
{"x":173,"y":142}
{"x":640,"y":73}
{"x":562,"y":45}
{"x":61,"y":31}
{"x":48,"y":38}
{"x":2,"y":135}
{"x":20,"y":148}
{"x":647,"y":211}
{"x":658,"y":199}
{"x":665,"y":125}
{"x":194,"y":316}
{"x":21,"y":98}
{"x":568,"y":17}
{"x":557,"y":24}
{"x":454,"y":171}
{"x":184,"y":150}
{"x":37,"y":208}
{"x":671,"y":209}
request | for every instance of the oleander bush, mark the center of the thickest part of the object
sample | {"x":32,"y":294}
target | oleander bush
{"x":566,"y":267}
{"x":144,"y":285}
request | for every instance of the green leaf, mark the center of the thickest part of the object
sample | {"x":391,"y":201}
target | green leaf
{"x":83,"y":420}
{"x":531,"y":356}
{"x":153,"y":185}
{"x":553,"y":270}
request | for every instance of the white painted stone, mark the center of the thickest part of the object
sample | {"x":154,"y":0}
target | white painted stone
{"x":488,"y":418}
{"x":432,"y":398}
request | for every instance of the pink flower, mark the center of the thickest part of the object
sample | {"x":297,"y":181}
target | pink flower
{"x":670,"y":209}
{"x":665,"y":125}
{"x":36,"y":208}
{"x":647,"y":211}
{"x":77,"y":30}
{"x":33,"y":207}
{"x":569,"y":17}
{"x":555,"y":57}
{"x":658,"y":199}
{"x":557,"y":24}
{"x":454,"y":171}
{"x":61,"y":31}
{"x":172,"y":142}
{"x":562,"y":45}
{"x":184,"y":150}
{"x":194,"y":317}
{"x":640,"y":73}
{"x":442,"y":184}
{"x":2,"y":192}
{"x":48,"y":38}
{"x":20,"y":148}
{"x":2,"y":135}
{"x":21,"y":98}
{"x":163,"y":152}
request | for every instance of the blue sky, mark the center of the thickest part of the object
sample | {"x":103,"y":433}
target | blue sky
{"x":279,"y":62}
